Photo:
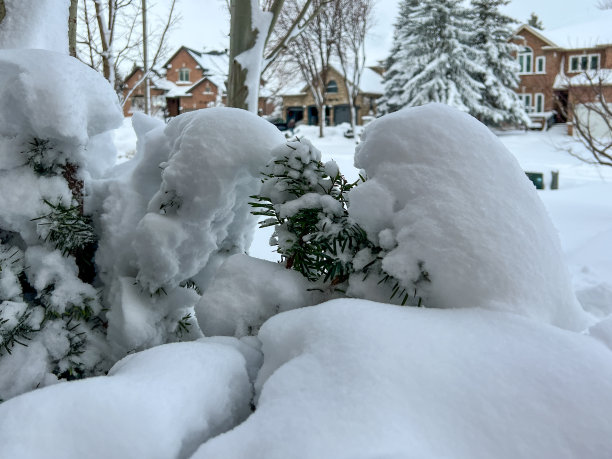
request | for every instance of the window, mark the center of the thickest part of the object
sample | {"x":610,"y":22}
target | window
{"x":540,"y":64}
{"x":332,"y":86}
{"x":539,"y":102}
{"x":183,"y":74}
{"x":525,"y":58}
{"x":526,"y":99}
{"x":584,"y":62}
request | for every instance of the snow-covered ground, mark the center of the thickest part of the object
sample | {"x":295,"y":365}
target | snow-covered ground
{"x":580,"y":209}
{"x":483,"y":374}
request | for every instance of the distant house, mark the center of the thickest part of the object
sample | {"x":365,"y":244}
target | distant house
{"x":193,"y":80}
{"x":299,"y":103}
{"x":554,"y":66}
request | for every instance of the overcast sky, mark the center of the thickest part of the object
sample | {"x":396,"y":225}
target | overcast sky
{"x":205,"y":23}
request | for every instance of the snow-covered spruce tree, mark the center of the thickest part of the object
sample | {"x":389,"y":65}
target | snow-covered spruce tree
{"x":394,"y":78}
{"x":436,"y":58}
{"x":493,"y":31}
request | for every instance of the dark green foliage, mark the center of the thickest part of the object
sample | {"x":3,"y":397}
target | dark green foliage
{"x":534,"y":21}
{"x":19,"y":334}
{"x":317,"y":242}
{"x":183,"y":326}
{"x":190,"y":283}
{"x":42,"y":156}
{"x":67,"y":228}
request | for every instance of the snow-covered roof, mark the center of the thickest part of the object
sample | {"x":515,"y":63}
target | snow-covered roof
{"x":214,"y":64}
{"x":588,"y":34}
{"x":595,"y":77}
{"x":371,"y":83}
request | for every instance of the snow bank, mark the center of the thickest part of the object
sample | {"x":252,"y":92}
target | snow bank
{"x":175,"y":212}
{"x":445,"y":197}
{"x":38,"y":24}
{"x":55,"y":96}
{"x":246,"y":292}
{"x":351,"y":378}
{"x":161,"y":403}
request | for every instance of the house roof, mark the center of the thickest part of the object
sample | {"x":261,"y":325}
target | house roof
{"x":589,"y":34}
{"x":214,"y":64}
{"x":371,"y":83}
{"x":591,"y":77}
{"x":199,"y":82}
{"x":535,"y":32}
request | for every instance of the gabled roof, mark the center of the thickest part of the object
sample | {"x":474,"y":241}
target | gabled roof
{"x":175,"y":54}
{"x":589,"y":34}
{"x":535,"y":32}
{"x":199,"y":82}
{"x":371,"y":83}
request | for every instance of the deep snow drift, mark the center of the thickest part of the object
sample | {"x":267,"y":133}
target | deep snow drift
{"x":172,"y":215}
{"x":449,"y":198}
{"x":160,"y":403}
{"x":483,"y":374}
{"x":352,"y":378}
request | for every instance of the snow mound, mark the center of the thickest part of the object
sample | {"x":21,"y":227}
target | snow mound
{"x":202,"y":205}
{"x":446,"y":198}
{"x":38,"y":89}
{"x":39,"y":24}
{"x":173,"y":213}
{"x":352,"y":378}
{"x":160,"y":403}
{"x":246,"y":292}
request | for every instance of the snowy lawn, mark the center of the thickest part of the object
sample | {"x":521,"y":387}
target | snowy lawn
{"x":482,"y":374}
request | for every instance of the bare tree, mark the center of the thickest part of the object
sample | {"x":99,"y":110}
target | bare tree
{"x":312,"y":51}
{"x":251,"y":28}
{"x":2,"y":10}
{"x":604,"y":5}
{"x":355,"y":23}
{"x":591,"y":116}
{"x":109,"y":36}
{"x":72,"y":27}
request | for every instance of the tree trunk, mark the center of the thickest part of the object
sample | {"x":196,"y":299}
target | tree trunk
{"x":242,"y":38}
{"x":321,"y":118}
{"x":145,"y":57}
{"x":72,"y":27}
{"x":2,"y":10}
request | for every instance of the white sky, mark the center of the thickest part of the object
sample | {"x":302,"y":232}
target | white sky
{"x":205,"y":23}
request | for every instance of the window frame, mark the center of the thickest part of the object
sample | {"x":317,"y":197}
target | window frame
{"x":522,"y":57}
{"x":527,"y":100}
{"x":538,"y":95}
{"x":181,"y":72}
{"x":579,"y":58}
{"x":541,"y":59}
{"x":335,"y":86}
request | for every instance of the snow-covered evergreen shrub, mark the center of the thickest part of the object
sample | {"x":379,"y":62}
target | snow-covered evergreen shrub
{"x":305,"y":200}
{"x":52,"y":322}
{"x":172,"y":215}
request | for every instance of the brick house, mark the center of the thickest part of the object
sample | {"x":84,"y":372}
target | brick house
{"x":299,"y":103}
{"x":193,"y":80}
{"x":553,"y":65}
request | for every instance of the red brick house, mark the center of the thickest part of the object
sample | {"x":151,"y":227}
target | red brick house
{"x":193,"y":80}
{"x":554,"y":65}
